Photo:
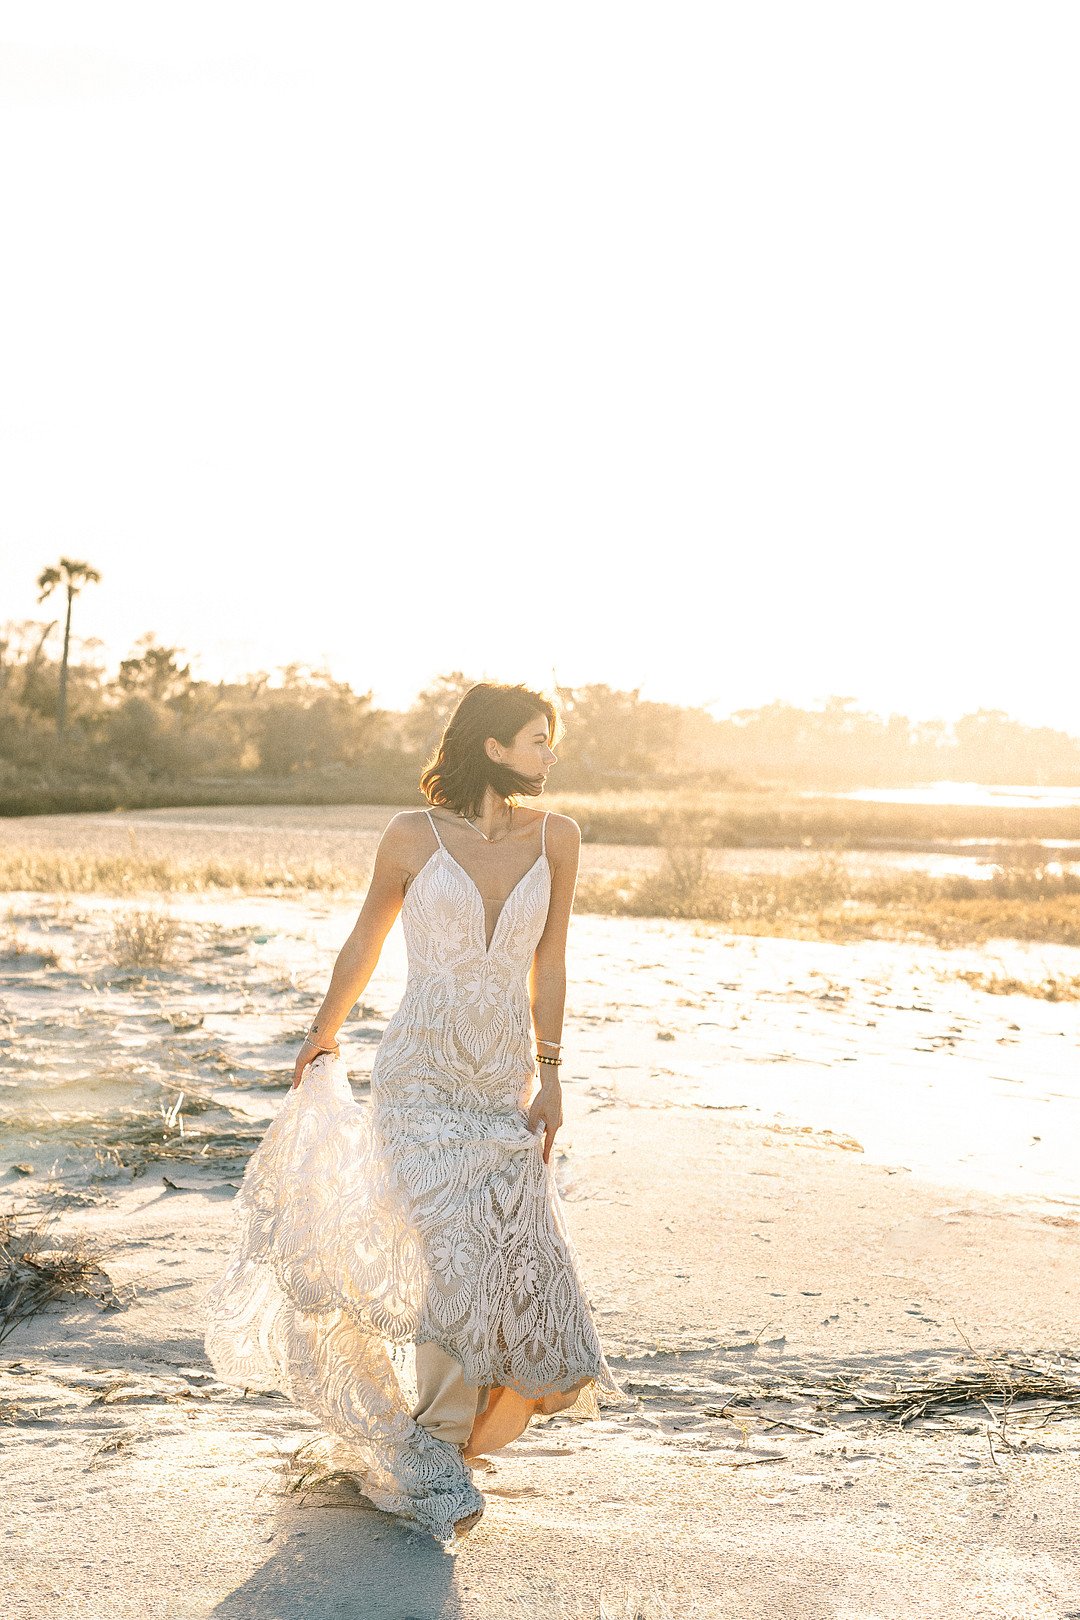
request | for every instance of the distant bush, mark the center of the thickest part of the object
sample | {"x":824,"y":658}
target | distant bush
{"x":142,"y":939}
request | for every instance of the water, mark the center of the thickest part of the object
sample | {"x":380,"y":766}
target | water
{"x":976,"y":794}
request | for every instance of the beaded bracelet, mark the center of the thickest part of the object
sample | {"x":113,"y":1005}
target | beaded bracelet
{"x":310,"y":1041}
{"x":540,"y":1058}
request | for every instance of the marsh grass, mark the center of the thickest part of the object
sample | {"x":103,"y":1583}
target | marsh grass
{"x":142,"y":938}
{"x":776,"y":818}
{"x":36,"y":1269}
{"x":684,"y":881}
{"x":813,"y":894}
{"x":56,"y":871}
{"x":1023,"y":898}
{"x":47,"y":871}
{"x":1059,"y":988}
{"x":825,"y":899}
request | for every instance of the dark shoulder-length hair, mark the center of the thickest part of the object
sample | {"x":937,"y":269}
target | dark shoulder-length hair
{"x":462,"y":769}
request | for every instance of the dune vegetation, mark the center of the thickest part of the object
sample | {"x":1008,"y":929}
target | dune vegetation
{"x":807,"y":892}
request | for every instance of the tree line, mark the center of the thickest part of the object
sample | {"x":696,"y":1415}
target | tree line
{"x":73,"y":737}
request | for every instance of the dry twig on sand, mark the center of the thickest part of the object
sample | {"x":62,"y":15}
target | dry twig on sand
{"x":35,"y":1270}
{"x":306,"y":1468}
{"x":1049,"y":1386}
{"x":117,"y":1444}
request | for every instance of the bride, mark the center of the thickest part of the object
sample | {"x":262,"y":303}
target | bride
{"x":428,"y":1223}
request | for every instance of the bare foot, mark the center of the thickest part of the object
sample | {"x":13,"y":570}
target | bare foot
{"x":463,"y":1526}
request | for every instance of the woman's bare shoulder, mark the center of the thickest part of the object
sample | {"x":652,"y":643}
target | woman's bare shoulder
{"x":403,"y":832}
{"x":563,"y":836}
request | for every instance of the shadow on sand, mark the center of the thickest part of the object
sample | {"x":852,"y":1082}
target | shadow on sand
{"x":344,"y":1558}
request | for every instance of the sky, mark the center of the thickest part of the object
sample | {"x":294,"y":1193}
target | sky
{"x":725,"y":352}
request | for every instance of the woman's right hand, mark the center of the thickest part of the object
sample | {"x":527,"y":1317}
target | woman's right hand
{"x":307,"y":1054}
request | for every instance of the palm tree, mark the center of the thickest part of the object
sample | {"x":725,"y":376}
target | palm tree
{"x":73,"y":575}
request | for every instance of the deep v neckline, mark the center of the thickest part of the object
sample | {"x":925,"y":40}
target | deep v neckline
{"x":475,"y":887}
{"x":480,"y":899}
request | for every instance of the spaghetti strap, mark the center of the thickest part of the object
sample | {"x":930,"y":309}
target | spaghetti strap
{"x":543,"y":833}
{"x":374,"y":1204}
{"x":434,"y":829}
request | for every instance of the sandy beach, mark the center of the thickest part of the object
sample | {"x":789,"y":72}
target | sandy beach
{"x":786,"y":1165}
{"x":640,"y":437}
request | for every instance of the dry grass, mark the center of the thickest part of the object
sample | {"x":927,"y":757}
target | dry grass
{"x":1059,"y":988}
{"x":685,"y":880}
{"x":810,"y":892}
{"x":306,"y":1469}
{"x":46,"y":871}
{"x":826,"y":900}
{"x":35,"y":1271}
{"x":139,"y":939}
{"x":1048,"y":1388}
{"x":762,"y":818}
{"x":126,"y":1144}
{"x":119,"y":1443}
{"x":820,"y":899}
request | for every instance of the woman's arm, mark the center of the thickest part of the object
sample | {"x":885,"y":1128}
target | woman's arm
{"x":547,"y":975}
{"x":359,"y":956}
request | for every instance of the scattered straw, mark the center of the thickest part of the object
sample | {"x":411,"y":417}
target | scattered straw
{"x":306,"y":1469}
{"x":35,"y":1271}
{"x":1048,"y":1387}
{"x":116,"y":1444}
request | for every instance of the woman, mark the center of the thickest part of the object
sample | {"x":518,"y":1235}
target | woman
{"x":430,"y":1218}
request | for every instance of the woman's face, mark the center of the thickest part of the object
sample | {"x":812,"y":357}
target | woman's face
{"x":529,"y":753}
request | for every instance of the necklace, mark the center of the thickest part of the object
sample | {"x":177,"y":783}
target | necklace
{"x":484,"y":835}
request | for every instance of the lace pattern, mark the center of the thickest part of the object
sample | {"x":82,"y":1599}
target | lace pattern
{"x":426,"y":1214}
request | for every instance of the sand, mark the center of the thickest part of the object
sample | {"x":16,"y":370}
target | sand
{"x":784,"y":1163}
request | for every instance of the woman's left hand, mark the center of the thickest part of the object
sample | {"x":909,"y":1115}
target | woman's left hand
{"x":546,"y":1108}
{"x":306,"y":1055}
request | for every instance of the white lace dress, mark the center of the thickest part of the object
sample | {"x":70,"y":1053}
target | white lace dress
{"x":427,"y":1214}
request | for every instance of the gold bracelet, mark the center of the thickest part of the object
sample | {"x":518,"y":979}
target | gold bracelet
{"x":540,"y":1058}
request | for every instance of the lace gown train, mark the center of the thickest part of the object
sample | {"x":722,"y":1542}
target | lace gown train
{"x":425,"y":1215}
